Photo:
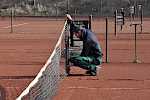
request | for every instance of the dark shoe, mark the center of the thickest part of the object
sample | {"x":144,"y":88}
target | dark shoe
{"x":91,"y":73}
{"x":88,"y":72}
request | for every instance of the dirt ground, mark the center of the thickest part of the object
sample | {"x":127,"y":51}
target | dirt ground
{"x":26,"y":50}
{"x":116,"y":81}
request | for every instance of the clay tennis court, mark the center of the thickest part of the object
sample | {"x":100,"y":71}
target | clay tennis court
{"x":26,"y":50}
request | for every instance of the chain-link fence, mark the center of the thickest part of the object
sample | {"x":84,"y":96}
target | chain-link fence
{"x":74,"y":7}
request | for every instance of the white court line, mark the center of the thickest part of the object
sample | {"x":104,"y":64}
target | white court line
{"x":17,"y":25}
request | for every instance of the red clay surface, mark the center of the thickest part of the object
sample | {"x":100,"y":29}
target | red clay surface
{"x":26,"y":50}
{"x":118,"y":80}
{"x":124,"y":81}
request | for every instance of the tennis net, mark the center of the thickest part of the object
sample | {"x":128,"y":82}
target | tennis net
{"x":45,"y":84}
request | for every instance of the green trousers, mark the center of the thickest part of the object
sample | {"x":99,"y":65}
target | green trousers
{"x":84,"y":62}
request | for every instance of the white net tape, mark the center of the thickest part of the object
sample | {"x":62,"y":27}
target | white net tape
{"x":45,"y":85}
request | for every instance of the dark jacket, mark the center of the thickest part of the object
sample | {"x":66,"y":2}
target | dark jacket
{"x":91,"y":46}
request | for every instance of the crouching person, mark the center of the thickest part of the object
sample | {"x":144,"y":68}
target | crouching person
{"x":91,"y":54}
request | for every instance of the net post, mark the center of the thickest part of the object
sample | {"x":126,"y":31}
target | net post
{"x":11,"y":20}
{"x":140,"y":8}
{"x":67,"y":66}
{"x":115,"y":22}
{"x":90,"y":21}
{"x":136,"y":60}
{"x":106,"y":36}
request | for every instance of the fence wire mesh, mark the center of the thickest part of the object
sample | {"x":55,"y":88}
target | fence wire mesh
{"x":74,"y":7}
